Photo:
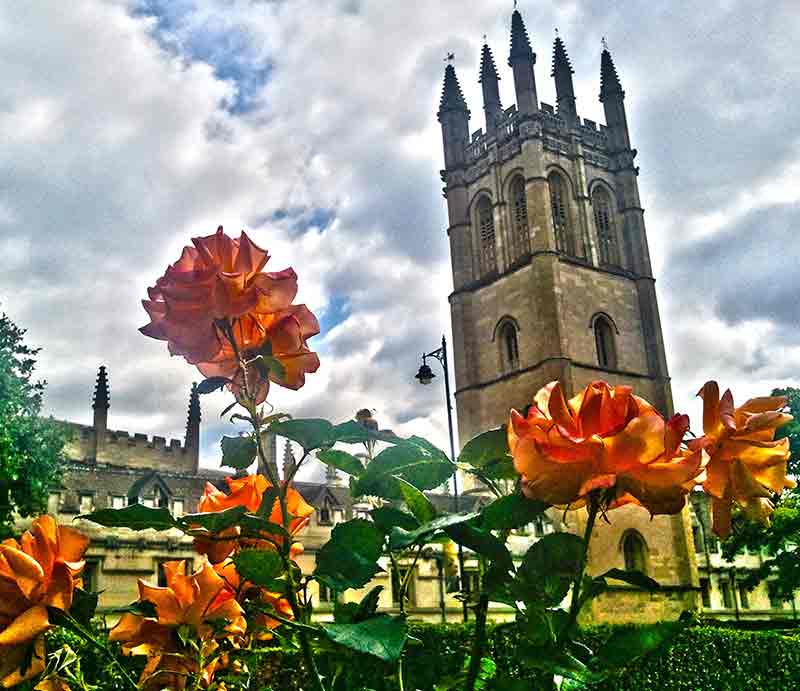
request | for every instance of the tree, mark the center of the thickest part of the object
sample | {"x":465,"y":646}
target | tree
{"x":30,"y":445}
{"x":781,"y":539}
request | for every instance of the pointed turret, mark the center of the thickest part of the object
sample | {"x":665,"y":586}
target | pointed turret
{"x":522,"y":59}
{"x":491,"y":90}
{"x":100,"y":405}
{"x":454,"y":116}
{"x":192,"y":441}
{"x":613,"y":99}
{"x":269,"y":443}
{"x":565,"y":92}
{"x":289,"y":461}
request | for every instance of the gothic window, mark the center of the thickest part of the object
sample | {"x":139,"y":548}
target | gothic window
{"x":565,"y":242}
{"x":604,"y":342}
{"x":520,"y":238}
{"x":487,"y":259}
{"x":633,"y":549}
{"x":604,"y":222}
{"x":509,"y":346}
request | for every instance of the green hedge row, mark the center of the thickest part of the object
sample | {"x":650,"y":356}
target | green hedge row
{"x":702,"y":658}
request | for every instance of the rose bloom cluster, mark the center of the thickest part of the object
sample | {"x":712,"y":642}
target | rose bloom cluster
{"x":214,"y":593}
{"x":217,"y":308}
{"x":609,"y":445}
{"x":41,"y":570}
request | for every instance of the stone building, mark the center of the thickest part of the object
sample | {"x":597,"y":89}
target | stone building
{"x":552,"y":280}
{"x":723,"y":593}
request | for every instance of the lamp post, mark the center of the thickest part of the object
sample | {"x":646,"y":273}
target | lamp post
{"x":426,"y":376}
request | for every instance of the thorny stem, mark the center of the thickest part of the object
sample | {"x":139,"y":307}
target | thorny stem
{"x":575,"y":602}
{"x":291,"y":590}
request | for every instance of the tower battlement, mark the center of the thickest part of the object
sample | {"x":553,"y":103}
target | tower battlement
{"x":96,"y":444}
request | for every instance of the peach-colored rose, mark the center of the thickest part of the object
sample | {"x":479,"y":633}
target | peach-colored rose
{"x":263,"y":623}
{"x":220,"y":281}
{"x":248,"y":491}
{"x":193,"y":601}
{"x":747,"y":465}
{"x":37,"y":572}
{"x":602,"y":439}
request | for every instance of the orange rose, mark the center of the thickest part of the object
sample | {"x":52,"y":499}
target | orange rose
{"x":262,"y":621}
{"x":193,"y":601}
{"x":37,"y":572}
{"x":747,"y":466}
{"x":602,"y":439}
{"x":217,"y":281}
{"x":248,"y":491}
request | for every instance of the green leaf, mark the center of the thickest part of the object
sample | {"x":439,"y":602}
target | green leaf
{"x":353,"y":432}
{"x":630,"y":642}
{"x":482,"y":542}
{"x":211,"y":384}
{"x":369,"y":604}
{"x":382,"y":636}
{"x":415,"y":500}
{"x":485,"y":449}
{"x":388,"y":517}
{"x":550,"y":566}
{"x":83,"y":606}
{"x":511,"y":512}
{"x":636,"y":578}
{"x":414,"y":460}
{"x":349,"y":559}
{"x":311,"y":433}
{"x":258,"y":527}
{"x":135,"y":517}
{"x":259,"y":566}
{"x":213,"y":521}
{"x":238,"y":452}
{"x":400,"y":539}
{"x":341,"y":460}
{"x":344,"y":612}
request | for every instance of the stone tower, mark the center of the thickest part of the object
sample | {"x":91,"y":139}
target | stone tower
{"x":551,"y":270}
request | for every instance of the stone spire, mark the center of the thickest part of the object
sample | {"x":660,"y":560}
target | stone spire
{"x":100,"y":405}
{"x":192,"y":441}
{"x":454,"y":116}
{"x":289,"y":461}
{"x":269,"y":442}
{"x":613,"y":99}
{"x":489,"y":80}
{"x":522,"y":59}
{"x":565,"y":92}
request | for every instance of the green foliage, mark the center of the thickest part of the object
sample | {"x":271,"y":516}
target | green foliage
{"x":30,"y":446}
{"x":259,"y":566}
{"x":417,"y":502}
{"x":341,"y":460}
{"x":238,"y":452}
{"x":135,"y":517}
{"x":349,"y":559}
{"x":511,"y":512}
{"x":487,"y":456}
{"x":550,"y":566}
{"x":791,"y":430}
{"x":382,"y":636}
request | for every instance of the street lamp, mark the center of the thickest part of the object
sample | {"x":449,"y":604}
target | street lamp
{"x":425,"y":377}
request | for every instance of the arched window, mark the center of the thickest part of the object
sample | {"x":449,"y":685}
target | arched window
{"x":604,"y":222}
{"x":509,"y":346}
{"x":634,"y":551}
{"x":520,"y":237}
{"x":604,"y":342}
{"x":559,"y":201}
{"x":487,"y":259}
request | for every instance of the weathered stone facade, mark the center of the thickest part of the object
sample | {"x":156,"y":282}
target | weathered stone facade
{"x":552,"y":280}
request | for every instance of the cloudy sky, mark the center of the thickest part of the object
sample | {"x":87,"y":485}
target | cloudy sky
{"x":129,"y":126}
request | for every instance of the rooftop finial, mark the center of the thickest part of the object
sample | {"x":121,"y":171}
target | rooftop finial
{"x":520,"y":43}
{"x":609,"y":79}
{"x":450,"y":58}
{"x":488,"y":68}
{"x":101,"y":394}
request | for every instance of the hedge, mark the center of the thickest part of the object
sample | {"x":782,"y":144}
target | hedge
{"x":702,"y":658}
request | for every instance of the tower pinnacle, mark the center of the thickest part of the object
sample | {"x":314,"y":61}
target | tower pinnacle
{"x":491,"y":90}
{"x":100,"y":405}
{"x":521,"y":59}
{"x":101,"y":398}
{"x":609,"y":79}
{"x":454,"y":116}
{"x":192,"y":441}
{"x":565,"y":92}
{"x":452,"y":97}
